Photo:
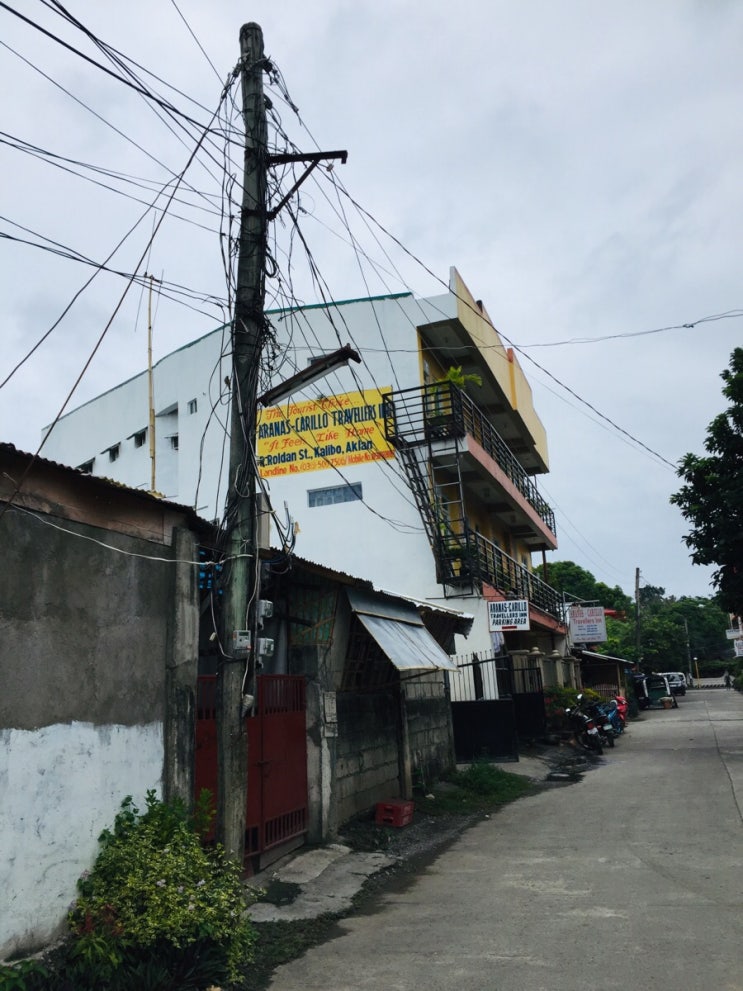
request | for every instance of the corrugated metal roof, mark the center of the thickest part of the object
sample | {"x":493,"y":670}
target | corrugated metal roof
{"x":462,"y":621}
{"x":101,"y":481}
{"x":398,"y":629}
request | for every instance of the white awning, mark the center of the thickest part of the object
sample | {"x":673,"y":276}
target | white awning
{"x":399,"y":631}
{"x":605,"y":657}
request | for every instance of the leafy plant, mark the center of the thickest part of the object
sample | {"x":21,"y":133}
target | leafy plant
{"x":27,"y":975}
{"x":457,"y":376}
{"x":160,"y":902}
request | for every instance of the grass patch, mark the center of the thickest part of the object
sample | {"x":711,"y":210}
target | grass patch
{"x":481,"y":787}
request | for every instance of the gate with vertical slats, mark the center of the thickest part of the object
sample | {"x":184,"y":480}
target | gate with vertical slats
{"x":277,"y":758}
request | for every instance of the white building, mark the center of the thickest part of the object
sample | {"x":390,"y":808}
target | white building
{"x":428,"y":492}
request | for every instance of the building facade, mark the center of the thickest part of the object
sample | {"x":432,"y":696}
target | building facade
{"x":414,"y":469}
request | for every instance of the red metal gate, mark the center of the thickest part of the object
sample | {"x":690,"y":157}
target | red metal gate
{"x":277,"y":758}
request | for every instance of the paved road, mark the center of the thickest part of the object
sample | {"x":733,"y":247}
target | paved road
{"x":631,"y":879}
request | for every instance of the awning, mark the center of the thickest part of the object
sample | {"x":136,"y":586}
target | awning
{"x":591,"y":656}
{"x":398,"y":629}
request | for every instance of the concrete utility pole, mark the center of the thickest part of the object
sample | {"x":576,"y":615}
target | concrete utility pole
{"x":150,"y":385}
{"x":638,"y":641}
{"x":240,"y":517}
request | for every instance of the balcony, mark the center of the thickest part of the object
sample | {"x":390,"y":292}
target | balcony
{"x":432,"y":415}
{"x":468,"y":560}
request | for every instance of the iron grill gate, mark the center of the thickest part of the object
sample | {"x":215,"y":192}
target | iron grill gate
{"x":489,"y":726}
{"x":528,"y":699}
{"x":484,"y":725}
{"x":277,"y":758}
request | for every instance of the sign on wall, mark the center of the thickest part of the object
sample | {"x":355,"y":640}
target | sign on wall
{"x":511,"y":614}
{"x":346,"y":429}
{"x":587,"y":624}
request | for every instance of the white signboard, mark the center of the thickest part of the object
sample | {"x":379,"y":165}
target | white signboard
{"x":511,"y":614}
{"x":587,"y":624}
{"x":738,"y":644}
{"x":734,"y":633}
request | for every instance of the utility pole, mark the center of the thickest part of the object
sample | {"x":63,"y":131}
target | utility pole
{"x":638,"y":641}
{"x":240,"y":516}
{"x":150,"y":386}
{"x":688,"y":646}
{"x":242,"y":572}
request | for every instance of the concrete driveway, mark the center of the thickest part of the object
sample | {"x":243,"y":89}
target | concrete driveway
{"x":630,"y":878}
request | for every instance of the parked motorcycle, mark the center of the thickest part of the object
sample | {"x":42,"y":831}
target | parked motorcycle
{"x":605,"y":724}
{"x":584,"y":729}
{"x":622,"y":709}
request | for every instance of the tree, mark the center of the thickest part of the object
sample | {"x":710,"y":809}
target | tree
{"x":672,"y":630}
{"x":580,"y":584}
{"x":712,"y":497}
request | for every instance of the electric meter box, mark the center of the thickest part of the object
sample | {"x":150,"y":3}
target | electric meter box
{"x":240,"y":643}
{"x":265,"y":647}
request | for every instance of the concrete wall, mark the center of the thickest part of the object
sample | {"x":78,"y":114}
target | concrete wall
{"x":430,"y":731}
{"x":90,"y":648}
{"x":368,"y":756}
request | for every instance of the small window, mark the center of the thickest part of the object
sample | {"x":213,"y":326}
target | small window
{"x":140,"y":437}
{"x":113,"y":452}
{"x":192,"y":405}
{"x":87,"y":467}
{"x":174,"y":442}
{"x":332,"y":496}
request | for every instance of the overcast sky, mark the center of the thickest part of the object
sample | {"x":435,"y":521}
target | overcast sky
{"x":578,"y":162}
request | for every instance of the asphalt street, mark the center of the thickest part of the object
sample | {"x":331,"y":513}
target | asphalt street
{"x":629,"y":878}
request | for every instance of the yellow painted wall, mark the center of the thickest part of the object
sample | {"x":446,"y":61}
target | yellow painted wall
{"x":501,"y":361}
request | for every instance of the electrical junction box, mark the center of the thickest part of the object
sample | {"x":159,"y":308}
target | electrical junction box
{"x":265,"y":647}
{"x":240,"y":643}
{"x":265,"y":610}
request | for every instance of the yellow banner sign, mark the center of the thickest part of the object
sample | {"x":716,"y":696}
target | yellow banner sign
{"x":326,"y":433}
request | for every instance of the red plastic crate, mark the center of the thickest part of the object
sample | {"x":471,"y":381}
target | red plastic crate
{"x":396,"y":812}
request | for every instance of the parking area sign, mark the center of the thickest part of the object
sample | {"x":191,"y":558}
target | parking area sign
{"x":511,"y":614}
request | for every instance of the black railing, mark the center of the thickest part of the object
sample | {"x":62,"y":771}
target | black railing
{"x":441,"y":410}
{"x":469,"y":558}
{"x":496,"y":568}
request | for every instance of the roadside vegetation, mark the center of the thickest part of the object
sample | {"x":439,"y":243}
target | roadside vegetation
{"x":159,"y":911}
{"x":162,"y":911}
{"x":673,"y":631}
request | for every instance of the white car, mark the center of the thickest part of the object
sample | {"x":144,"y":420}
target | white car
{"x":676,"y":682}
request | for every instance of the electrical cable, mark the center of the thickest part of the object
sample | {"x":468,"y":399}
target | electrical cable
{"x":110,"y":321}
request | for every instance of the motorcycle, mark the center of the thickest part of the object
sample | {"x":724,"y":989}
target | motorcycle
{"x":622,"y":708}
{"x":584,"y":729}
{"x":606,"y":725}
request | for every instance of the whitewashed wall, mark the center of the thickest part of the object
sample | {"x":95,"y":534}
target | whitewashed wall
{"x":60,"y":787}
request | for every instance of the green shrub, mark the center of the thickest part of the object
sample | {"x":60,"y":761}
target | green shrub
{"x":27,"y":975}
{"x":557,"y":700}
{"x":160,"y":905}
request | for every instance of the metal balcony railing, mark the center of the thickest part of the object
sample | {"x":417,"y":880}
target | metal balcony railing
{"x":471,"y":559}
{"x":496,"y":568}
{"x":442,"y":410}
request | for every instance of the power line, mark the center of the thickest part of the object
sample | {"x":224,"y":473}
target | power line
{"x":166,"y":105}
{"x":112,"y":317}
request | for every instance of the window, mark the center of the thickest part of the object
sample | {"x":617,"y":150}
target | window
{"x":113,"y":452}
{"x":173,"y":442}
{"x":333,"y":495}
{"x":87,"y":467}
{"x":140,"y":437}
{"x":192,"y":405}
